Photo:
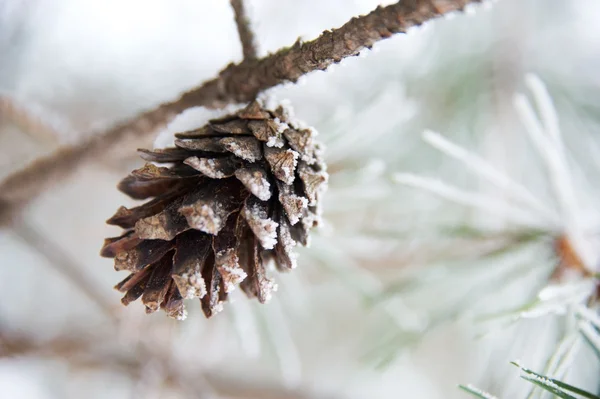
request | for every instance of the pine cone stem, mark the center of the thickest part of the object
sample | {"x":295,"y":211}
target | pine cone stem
{"x":236,"y":83}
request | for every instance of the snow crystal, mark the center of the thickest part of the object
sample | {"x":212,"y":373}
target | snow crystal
{"x":228,"y":265}
{"x":288,"y":170}
{"x":255,"y":180}
{"x":298,"y":123}
{"x":181,"y":315}
{"x":294,"y":259}
{"x":293,"y":205}
{"x":191,"y":284}
{"x":235,"y":275}
{"x":264,"y":228}
{"x":544,"y":381}
{"x":261,"y":189}
{"x":202,"y":217}
{"x":243,"y":147}
{"x":312,"y":131}
{"x":281,"y":126}
{"x":275,"y":141}
{"x":268,"y":286}
{"x":208,"y":167}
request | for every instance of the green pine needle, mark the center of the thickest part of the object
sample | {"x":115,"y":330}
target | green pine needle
{"x":476,"y":392}
{"x":551,"y":385}
{"x":557,"y":392}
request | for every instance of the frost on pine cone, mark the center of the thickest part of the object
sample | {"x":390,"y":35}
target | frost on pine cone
{"x":233,"y":195}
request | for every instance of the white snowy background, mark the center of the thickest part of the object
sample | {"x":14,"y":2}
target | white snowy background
{"x":400,"y":292}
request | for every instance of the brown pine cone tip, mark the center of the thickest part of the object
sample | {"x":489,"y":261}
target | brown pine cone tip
{"x":234,"y":194}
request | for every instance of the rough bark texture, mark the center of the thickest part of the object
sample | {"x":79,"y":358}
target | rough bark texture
{"x":237,"y":83}
{"x":244,"y":30}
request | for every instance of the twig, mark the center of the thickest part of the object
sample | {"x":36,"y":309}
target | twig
{"x":30,"y":123}
{"x":237,"y":83}
{"x":244,"y":30}
{"x":95,"y":352}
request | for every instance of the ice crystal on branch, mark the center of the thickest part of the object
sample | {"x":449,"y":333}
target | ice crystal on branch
{"x":236,"y":193}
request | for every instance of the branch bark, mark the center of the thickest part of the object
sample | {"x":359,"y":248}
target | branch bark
{"x":236,"y":83}
{"x":244,"y":30}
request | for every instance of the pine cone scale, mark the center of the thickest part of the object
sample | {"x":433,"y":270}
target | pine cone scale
{"x":136,"y":290}
{"x":166,"y":155}
{"x":193,"y":249}
{"x":145,"y":253}
{"x":236,"y":126}
{"x":214,"y":168}
{"x":157,"y":286}
{"x":114,"y":245}
{"x":255,"y":179}
{"x":211,"y":303}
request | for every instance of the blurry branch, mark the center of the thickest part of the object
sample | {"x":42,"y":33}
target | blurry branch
{"x":17,"y":344}
{"x":62,"y":262}
{"x":236,"y":83}
{"x":244,"y":30}
{"x":29,"y":123}
{"x":90,"y":352}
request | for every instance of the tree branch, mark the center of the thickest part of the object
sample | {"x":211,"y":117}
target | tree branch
{"x":244,"y":30}
{"x":236,"y":83}
{"x":28,"y":122}
{"x":102,"y":352}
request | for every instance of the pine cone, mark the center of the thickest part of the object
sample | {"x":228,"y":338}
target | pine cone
{"x":237,"y":193}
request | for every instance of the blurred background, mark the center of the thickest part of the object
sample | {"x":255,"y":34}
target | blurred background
{"x":430,"y":271}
